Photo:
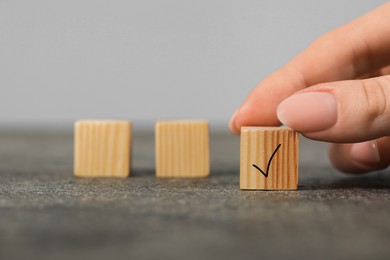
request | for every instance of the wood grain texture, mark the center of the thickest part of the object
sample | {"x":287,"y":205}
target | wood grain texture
{"x":257,"y":146}
{"x":102,"y":148}
{"x":182,"y":149}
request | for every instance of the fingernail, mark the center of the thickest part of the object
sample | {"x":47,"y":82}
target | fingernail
{"x":232,"y":122}
{"x":309,"y":112}
{"x":365,"y":153}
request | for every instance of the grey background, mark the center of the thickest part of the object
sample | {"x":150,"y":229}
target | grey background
{"x":145,"y":60}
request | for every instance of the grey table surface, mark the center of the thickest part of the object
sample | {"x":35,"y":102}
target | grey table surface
{"x":46,"y":213}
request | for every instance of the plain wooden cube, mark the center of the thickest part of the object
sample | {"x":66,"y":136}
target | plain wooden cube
{"x":182,"y":149}
{"x":102,"y":148}
{"x":269,"y":158}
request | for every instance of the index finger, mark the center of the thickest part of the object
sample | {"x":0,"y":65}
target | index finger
{"x":356,"y":48}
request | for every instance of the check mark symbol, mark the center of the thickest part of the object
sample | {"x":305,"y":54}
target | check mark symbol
{"x":269,"y":163}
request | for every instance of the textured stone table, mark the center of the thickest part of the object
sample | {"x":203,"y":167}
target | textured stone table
{"x":45,"y":212}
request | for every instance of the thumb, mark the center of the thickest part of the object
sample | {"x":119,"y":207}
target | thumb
{"x":344,"y":111}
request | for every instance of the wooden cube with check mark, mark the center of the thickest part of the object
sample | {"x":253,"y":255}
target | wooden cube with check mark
{"x":269,"y":158}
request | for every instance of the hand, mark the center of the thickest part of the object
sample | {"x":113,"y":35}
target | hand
{"x":337,"y":90}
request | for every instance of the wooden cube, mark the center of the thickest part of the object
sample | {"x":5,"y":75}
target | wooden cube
{"x":182,"y":149}
{"x":102,"y":148}
{"x":269,"y":158}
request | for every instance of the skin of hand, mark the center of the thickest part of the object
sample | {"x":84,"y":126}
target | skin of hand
{"x":337,"y":90}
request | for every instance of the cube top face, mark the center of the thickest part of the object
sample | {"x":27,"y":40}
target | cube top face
{"x":102,"y":148}
{"x":182,"y":149}
{"x":83,"y":122}
{"x":269,"y":158}
{"x":182,"y":123}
